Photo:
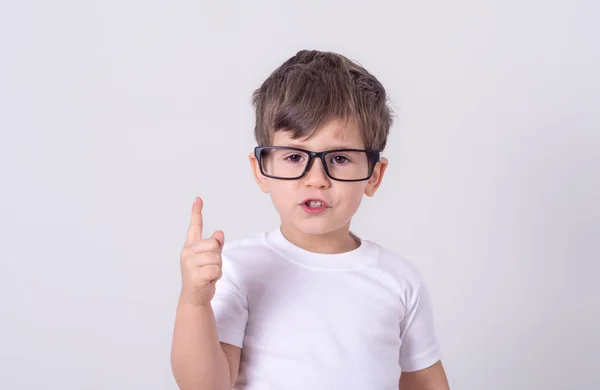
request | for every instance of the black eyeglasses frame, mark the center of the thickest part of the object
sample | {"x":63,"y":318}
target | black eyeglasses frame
{"x":373,"y":155}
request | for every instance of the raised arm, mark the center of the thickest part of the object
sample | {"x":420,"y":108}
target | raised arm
{"x":198,"y":360}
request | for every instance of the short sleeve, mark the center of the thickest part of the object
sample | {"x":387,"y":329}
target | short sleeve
{"x":420,"y":347}
{"x":230,"y":307}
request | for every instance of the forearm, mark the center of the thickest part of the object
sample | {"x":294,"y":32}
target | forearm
{"x":197,"y":360}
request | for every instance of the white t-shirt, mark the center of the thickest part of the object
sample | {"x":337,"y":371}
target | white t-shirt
{"x":311,"y":321}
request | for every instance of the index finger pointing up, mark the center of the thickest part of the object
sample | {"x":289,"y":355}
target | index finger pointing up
{"x":195,"y":229}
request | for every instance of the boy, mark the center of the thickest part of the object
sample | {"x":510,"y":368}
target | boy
{"x":308,"y":305}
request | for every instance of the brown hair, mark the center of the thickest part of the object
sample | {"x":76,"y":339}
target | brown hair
{"x":314,"y":87}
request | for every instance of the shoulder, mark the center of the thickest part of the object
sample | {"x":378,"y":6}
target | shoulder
{"x":254,"y":241}
{"x":398,"y":267}
{"x":248,"y":255}
{"x":246,"y":249}
{"x":242,"y":260}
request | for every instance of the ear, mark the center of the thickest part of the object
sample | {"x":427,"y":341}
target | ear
{"x":262,"y":181}
{"x":375,"y":180}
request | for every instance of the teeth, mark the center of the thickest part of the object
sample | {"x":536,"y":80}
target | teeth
{"x":314,"y":203}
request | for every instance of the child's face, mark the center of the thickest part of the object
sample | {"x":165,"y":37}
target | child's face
{"x":342,"y":198}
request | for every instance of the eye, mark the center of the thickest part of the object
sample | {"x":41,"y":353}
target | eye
{"x":339,"y":159}
{"x":294,"y":158}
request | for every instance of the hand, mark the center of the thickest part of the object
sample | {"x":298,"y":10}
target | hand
{"x":200,"y":261}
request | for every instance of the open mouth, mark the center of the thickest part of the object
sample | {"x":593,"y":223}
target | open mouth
{"x":314,"y":203}
{"x":314,"y":206}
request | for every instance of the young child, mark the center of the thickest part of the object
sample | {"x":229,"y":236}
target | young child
{"x":308,"y":305}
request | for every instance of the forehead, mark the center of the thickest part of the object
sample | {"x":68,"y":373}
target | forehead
{"x":336,"y":133}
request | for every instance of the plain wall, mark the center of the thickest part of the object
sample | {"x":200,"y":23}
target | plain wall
{"x":115,"y":114}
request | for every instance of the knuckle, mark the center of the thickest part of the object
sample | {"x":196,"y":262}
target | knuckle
{"x":214,"y":244}
{"x":198,"y":278}
{"x":204,"y":258}
{"x":190,"y":259}
{"x":210,"y":258}
{"x":206,"y":245}
{"x":212,"y":271}
{"x":196,"y":247}
{"x":185,"y":254}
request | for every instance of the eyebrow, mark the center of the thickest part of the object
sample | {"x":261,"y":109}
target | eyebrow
{"x":330,"y":147}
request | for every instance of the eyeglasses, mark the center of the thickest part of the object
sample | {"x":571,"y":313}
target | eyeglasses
{"x":287,"y":163}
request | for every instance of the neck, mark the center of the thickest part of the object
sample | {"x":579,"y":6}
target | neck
{"x":337,"y":241}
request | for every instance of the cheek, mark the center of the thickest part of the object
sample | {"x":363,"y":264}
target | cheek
{"x":282,"y":194}
{"x":351,"y":196}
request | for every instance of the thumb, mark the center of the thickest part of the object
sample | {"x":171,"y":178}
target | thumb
{"x":220,"y":237}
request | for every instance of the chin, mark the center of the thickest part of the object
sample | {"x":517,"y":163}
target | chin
{"x":317,"y":227}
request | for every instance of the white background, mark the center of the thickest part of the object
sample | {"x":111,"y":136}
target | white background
{"x":115,"y":114}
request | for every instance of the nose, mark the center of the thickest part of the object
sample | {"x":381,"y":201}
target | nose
{"x":315,"y":176}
